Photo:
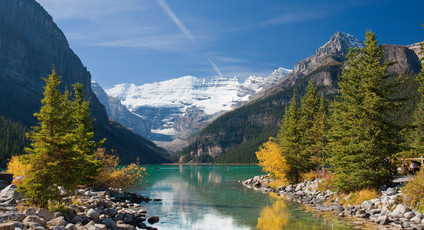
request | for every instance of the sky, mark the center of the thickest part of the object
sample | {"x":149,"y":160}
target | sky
{"x":144,"y":41}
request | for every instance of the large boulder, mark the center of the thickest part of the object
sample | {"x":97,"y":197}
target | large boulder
{"x":153,"y":219}
{"x":399,"y":211}
{"x":34,"y":219}
{"x":59,"y":221}
{"x":93,"y":214}
{"x":9,"y":193}
{"x":367,"y":205}
{"x":45,"y":214}
{"x":109,"y":223}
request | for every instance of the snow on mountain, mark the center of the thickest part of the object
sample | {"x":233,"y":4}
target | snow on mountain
{"x":211,"y":95}
{"x":179,"y":107}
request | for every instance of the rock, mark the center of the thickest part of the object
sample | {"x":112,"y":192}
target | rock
{"x":375,"y":211}
{"x":71,"y":227}
{"x":33,"y":225}
{"x":383,"y":219}
{"x":18,"y":224}
{"x":416,"y":219}
{"x":400,"y":210}
{"x":57,"y":228}
{"x":341,"y":214}
{"x":100,"y":226}
{"x":93,"y":214}
{"x":59,"y":221}
{"x":45,"y":214}
{"x":12,"y":216}
{"x":367,"y":205}
{"x":109,"y":223}
{"x":9,"y":193}
{"x":289,"y":188}
{"x":34,"y":219}
{"x":128,"y":219}
{"x":408,"y":215}
{"x":153,"y":219}
{"x":390,"y":191}
{"x":7,"y":226}
{"x":76,"y":219}
{"x":126,"y":227}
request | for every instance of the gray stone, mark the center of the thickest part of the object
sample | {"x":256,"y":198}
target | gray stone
{"x":153,"y":219}
{"x":71,"y":227}
{"x":383,"y":219}
{"x":45,"y":214}
{"x":400,"y":210}
{"x":374,"y":211}
{"x":12,"y":216}
{"x":77,"y":219}
{"x":100,"y":226}
{"x":32,"y":224}
{"x":128,"y":219}
{"x":93,"y":214}
{"x":18,"y":224}
{"x":57,"y":228}
{"x":7,"y":226}
{"x":109,"y":223}
{"x":34,"y":219}
{"x":126,"y":227}
{"x":416,"y":219}
{"x":367,"y":205}
{"x":408,"y":215}
{"x":9,"y":193}
{"x":390,"y":191}
{"x":59,"y":221}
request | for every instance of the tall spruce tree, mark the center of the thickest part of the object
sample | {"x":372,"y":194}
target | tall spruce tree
{"x":416,"y":138}
{"x":50,"y":151}
{"x":362,"y":137}
{"x":288,"y":139}
{"x":311,"y":128}
{"x":61,"y":150}
{"x":84,"y":146}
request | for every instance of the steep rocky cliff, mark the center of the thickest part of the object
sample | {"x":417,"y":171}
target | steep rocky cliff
{"x":30,"y":43}
{"x":238,"y":134}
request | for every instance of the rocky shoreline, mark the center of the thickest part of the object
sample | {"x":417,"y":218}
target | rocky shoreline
{"x":387,"y":210}
{"x":88,"y":210}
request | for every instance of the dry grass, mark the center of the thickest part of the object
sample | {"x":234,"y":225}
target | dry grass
{"x":414,"y":191}
{"x":312,"y":175}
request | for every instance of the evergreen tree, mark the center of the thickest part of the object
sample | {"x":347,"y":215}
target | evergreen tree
{"x":416,"y":138}
{"x":289,"y":138}
{"x":61,"y":153}
{"x":361,"y":137}
{"x":311,"y":125}
{"x":84,"y":146}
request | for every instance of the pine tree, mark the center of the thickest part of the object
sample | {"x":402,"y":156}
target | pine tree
{"x":50,"y":154}
{"x":288,"y":139}
{"x":311,"y":125}
{"x":84,"y":146}
{"x":361,"y":137}
{"x":416,"y":138}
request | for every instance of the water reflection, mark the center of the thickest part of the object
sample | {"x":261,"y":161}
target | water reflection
{"x":274,"y":217}
{"x":209,"y":197}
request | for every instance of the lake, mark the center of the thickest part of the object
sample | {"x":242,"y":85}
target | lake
{"x":210,"y":197}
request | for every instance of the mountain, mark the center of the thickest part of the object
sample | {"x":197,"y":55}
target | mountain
{"x":178,"y":108}
{"x":235,"y":136}
{"x":30,"y":43}
{"x":119,"y":113}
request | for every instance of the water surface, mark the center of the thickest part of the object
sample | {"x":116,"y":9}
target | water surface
{"x":210,"y":197}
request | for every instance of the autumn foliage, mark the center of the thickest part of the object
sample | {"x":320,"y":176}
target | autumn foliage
{"x":271,"y":159}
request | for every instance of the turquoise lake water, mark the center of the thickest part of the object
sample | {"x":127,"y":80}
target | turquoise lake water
{"x":210,"y":197}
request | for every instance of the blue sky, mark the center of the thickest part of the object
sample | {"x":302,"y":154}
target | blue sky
{"x":143,"y":41}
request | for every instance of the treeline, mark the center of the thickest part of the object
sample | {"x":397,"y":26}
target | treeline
{"x":362,"y":133}
{"x":12,"y":139}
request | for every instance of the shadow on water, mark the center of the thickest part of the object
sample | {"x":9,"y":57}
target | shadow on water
{"x":210,"y":197}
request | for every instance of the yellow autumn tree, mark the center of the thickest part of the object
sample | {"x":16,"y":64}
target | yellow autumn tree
{"x":271,"y":159}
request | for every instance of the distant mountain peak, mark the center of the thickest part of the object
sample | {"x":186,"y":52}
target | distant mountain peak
{"x":340,"y":42}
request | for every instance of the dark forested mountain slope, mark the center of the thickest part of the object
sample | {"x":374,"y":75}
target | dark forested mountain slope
{"x":30,"y":43}
{"x":235,"y":136}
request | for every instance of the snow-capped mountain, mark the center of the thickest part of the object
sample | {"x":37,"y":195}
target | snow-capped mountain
{"x":179,"y":107}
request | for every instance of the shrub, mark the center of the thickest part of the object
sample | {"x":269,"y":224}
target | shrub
{"x":17,"y":167}
{"x":414,"y":189}
{"x":310,"y":176}
{"x":326,"y":182}
{"x":114,"y":176}
{"x":356,"y":198}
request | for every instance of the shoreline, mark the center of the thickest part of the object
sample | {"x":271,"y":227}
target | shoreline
{"x":88,"y":209}
{"x":385,"y":212}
